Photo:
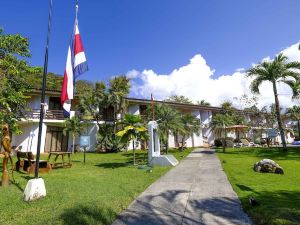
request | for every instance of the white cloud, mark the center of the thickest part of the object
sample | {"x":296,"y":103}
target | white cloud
{"x":195,"y":81}
{"x":132,"y":74}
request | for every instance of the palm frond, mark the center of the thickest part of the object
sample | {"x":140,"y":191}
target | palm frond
{"x":254,"y":86}
{"x":292,"y":65}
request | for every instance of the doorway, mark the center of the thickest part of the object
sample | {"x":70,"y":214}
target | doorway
{"x":56,"y":141}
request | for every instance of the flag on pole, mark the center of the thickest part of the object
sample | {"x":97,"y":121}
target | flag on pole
{"x":75,"y":66}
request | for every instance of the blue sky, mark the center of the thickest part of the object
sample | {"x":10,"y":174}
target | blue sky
{"x":159,"y":35}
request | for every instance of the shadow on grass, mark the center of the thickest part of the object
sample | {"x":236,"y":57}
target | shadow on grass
{"x":113,"y":165}
{"x":245,"y":188}
{"x":27,"y":177}
{"x":88,"y":215}
{"x":277,"y":207}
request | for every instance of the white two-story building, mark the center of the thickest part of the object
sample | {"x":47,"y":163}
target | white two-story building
{"x":54,"y":139}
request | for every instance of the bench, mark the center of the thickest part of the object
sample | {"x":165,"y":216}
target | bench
{"x":27,"y":162}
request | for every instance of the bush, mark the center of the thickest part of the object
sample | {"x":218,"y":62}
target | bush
{"x":218,"y":142}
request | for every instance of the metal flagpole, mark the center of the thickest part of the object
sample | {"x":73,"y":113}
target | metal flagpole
{"x":76,"y":11}
{"x":76,"y":24}
{"x":42,"y":110}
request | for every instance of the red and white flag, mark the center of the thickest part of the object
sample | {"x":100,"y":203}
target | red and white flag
{"x":75,"y":66}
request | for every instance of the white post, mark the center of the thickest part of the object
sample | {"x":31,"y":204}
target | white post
{"x":154,"y":145}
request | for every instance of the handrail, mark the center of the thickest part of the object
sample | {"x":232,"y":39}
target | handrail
{"x":50,"y":114}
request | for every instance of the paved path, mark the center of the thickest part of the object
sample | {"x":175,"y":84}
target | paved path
{"x":195,"y":192}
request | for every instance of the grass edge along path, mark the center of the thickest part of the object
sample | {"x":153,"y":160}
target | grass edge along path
{"x":84,"y":194}
{"x":278,"y":195}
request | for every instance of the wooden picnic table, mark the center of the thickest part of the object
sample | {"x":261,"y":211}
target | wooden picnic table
{"x":63,"y":163}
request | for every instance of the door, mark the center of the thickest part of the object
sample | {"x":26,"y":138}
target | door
{"x":56,"y":141}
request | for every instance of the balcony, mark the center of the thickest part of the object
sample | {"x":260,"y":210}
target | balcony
{"x":50,"y":114}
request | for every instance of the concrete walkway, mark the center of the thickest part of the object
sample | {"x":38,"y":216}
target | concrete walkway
{"x":195,"y":192}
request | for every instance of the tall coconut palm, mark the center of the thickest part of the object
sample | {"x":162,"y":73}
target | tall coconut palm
{"x":132,"y":131}
{"x":278,"y":70}
{"x":75,"y":127}
{"x":294,"y":113}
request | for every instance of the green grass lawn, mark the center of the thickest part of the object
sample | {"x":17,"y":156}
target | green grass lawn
{"x":83,"y":194}
{"x":279,"y":195}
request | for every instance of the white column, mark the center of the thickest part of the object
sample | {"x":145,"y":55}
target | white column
{"x":198,"y":139}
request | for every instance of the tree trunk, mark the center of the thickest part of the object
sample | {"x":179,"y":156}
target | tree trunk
{"x":298,"y":129}
{"x":167,"y":141}
{"x":73,"y":143}
{"x":133,"y":152}
{"x":115,"y":130}
{"x":224,"y":141}
{"x":277,"y":109}
{"x":182,"y":143}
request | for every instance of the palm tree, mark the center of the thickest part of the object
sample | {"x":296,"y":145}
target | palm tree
{"x":294,"y":113}
{"x":278,"y":70}
{"x":191,"y":125}
{"x":118,"y":90}
{"x":75,"y":126}
{"x":295,"y":86}
{"x":227,"y":107}
{"x":218,"y":125}
{"x":133,"y":130}
{"x":168,"y":120}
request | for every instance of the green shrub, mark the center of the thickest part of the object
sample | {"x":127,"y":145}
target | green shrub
{"x":218,"y":142}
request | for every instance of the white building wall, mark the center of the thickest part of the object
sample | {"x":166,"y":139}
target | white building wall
{"x":171,"y":141}
{"x":134,"y":109}
{"x":206,"y":118}
{"x":28,"y":138}
{"x":189,"y":142}
{"x":35,"y":101}
{"x":91,"y":131}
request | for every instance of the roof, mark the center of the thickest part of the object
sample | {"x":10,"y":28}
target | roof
{"x":175,"y":104}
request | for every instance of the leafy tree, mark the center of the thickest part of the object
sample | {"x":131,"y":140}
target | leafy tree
{"x":14,"y":49}
{"x":246,"y":102}
{"x":294,"y":113}
{"x":75,"y":127}
{"x":278,"y":70}
{"x":96,"y":100}
{"x":203,"y":102}
{"x":119,"y":88}
{"x":179,"y":99}
{"x":83,"y":86}
{"x":104,"y":136}
{"x":190,"y":125}
{"x":133,"y":130}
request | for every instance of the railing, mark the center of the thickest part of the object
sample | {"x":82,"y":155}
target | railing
{"x":50,"y":114}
